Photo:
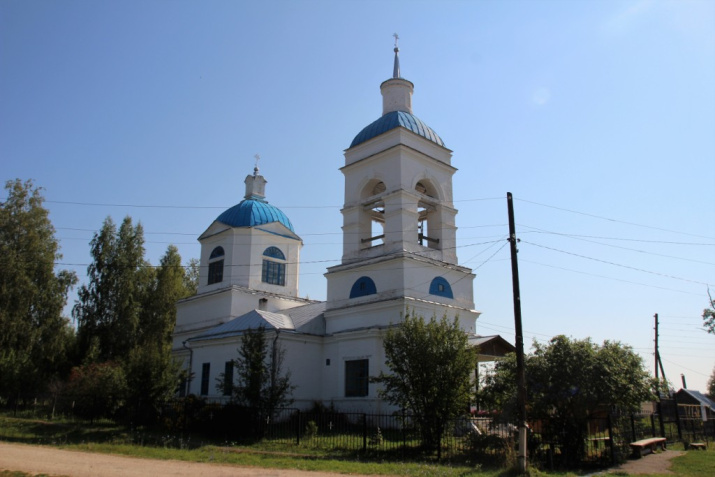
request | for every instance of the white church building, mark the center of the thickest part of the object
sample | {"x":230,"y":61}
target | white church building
{"x":399,"y":253}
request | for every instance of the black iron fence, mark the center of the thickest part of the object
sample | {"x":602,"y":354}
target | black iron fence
{"x":552,"y":443}
{"x":602,"y":441}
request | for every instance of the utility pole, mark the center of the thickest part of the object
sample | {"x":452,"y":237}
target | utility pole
{"x":659,"y":403}
{"x":520,"y":376}
{"x":658,"y":362}
{"x":657,"y":358}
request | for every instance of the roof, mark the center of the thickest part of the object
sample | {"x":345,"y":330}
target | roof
{"x":491,"y":347}
{"x":252,"y":212}
{"x":395,"y":119}
{"x":303,"y":319}
{"x":700,"y":397}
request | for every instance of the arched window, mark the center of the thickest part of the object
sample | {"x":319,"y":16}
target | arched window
{"x":372,"y":218}
{"x":362,"y":287}
{"x":274,"y":268}
{"x":274,"y":252}
{"x":427,"y":216}
{"x":216,"y":265}
{"x":440,"y":287}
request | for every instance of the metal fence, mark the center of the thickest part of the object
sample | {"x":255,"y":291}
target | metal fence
{"x":487,"y":439}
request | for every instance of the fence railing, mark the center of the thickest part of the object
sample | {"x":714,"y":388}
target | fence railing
{"x":602,"y":441}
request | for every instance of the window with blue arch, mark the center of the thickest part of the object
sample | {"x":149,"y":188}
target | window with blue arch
{"x":273,"y":272}
{"x":274,"y":252}
{"x":440,"y":287}
{"x":363,"y":286}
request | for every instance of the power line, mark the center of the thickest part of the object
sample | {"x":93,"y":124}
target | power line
{"x":666,"y":242}
{"x":586,"y":214}
{"x":616,"y":264}
{"x":609,"y":278}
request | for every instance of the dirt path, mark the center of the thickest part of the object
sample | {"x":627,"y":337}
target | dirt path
{"x":52,"y":461}
{"x":658,"y":463}
{"x":59,"y":462}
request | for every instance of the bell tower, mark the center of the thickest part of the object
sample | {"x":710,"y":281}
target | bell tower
{"x":399,"y":232}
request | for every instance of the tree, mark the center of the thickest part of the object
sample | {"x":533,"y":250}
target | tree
{"x":711,"y":385}
{"x":709,"y":316}
{"x":569,"y":381}
{"x":191,"y":278}
{"x":110,"y":305}
{"x":127,"y":312}
{"x":152,"y":373}
{"x":430,"y":368}
{"x":260,"y":381}
{"x":35,"y":336}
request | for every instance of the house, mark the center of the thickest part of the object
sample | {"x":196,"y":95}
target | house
{"x":399,"y":252}
{"x":697,"y":405}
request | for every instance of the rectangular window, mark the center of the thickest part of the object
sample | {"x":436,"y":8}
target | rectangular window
{"x":216,"y":272}
{"x":228,"y":379}
{"x":205,"y":372}
{"x":356,"y":377}
{"x":274,"y":273}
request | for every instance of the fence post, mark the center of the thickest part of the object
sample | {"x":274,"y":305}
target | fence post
{"x":677,"y":417}
{"x":660,"y":420}
{"x":404,"y":433}
{"x":297,"y":427}
{"x":364,"y":432}
{"x":439,"y":445}
{"x":611,"y":439}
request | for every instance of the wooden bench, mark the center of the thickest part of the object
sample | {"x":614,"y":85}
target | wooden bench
{"x":697,"y":445}
{"x":647,"y":444}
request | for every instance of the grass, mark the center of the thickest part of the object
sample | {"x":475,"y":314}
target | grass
{"x":107,"y":437}
{"x":695,"y":463}
{"x":16,"y":473}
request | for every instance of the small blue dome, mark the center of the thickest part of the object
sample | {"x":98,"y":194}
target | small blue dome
{"x":392,"y":120}
{"x":252,"y":212}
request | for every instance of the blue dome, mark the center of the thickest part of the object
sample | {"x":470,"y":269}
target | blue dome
{"x":252,"y":212}
{"x":392,"y":120}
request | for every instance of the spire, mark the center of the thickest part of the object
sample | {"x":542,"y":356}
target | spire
{"x":255,"y":184}
{"x":397,"y":91}
{"x":396,"y":68}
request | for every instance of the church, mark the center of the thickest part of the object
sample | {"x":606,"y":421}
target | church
{"x":399,"y":253}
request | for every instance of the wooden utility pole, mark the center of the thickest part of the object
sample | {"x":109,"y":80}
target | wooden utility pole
{"x":657,"y":358}
{"x":520,"y":375}
{"x":658,"y":362}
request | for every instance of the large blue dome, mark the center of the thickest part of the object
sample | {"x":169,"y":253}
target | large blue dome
{"x":392,"y":120}
{"x":252,"y":212}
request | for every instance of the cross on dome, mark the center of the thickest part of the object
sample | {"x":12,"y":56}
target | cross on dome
{"x":396,"y":69}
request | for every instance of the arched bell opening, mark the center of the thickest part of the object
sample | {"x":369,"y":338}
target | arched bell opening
{"x":428,"y":220}
{"x":372,"y":215}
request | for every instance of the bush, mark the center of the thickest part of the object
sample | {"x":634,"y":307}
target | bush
{"x":311,"y":430}
{"x":492,"y":448}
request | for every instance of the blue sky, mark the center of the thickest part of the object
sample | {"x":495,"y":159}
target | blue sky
{"x":599,"y":116}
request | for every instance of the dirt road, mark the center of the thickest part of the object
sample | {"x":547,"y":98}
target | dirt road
{"x":52,"y":461}
{"x":59,"y":462}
